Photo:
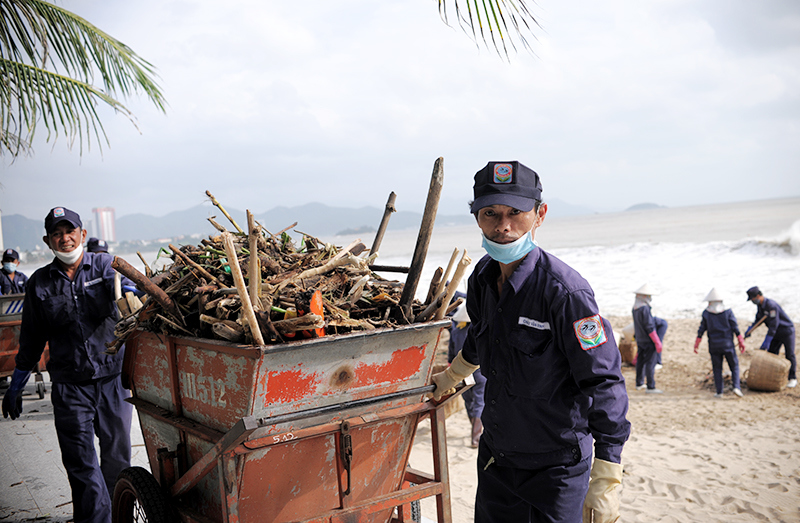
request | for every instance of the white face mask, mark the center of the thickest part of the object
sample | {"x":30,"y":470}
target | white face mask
{"x":68,"y":258}
{"x":715,"y":307}
{"x":10,"y":267}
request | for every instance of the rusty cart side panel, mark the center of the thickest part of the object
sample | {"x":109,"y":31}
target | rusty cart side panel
{"x":243,"y":433}
{"x":10,"y":321}
{"x":218,"y":383}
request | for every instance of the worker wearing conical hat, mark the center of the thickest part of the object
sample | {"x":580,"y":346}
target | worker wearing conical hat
{"x":721,"y":325}
{"x":649,"y":332}
{"x":780,"y":333}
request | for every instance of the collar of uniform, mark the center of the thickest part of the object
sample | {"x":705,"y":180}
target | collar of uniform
{"x":491,"y":270}
{"x":86,"y":262}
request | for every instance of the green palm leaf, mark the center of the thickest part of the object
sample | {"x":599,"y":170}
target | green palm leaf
{"x":498,"y":20}
{"x":49,"y":59}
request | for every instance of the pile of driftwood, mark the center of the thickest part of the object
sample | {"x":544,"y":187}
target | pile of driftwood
{"x":261,"y":288}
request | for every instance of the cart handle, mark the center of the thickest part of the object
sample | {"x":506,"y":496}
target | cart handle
{"x":293,"y":416}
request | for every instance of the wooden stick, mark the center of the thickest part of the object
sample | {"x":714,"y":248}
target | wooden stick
{"x":436,"y":303}
{"x":144,"y":284}
{"x":228,"y":216}
{"x":254,"y":269}
{"x":216,"y":225}
{"x":423,"y":239}
{"x":345,"y":250}
{"x":453,"y":285}
{"x":348,"y":259}
{"x":236,"y":272}
{"x":147,"y":270}
{"x":387,"y":213}
{"x":188,"y":261}
{"x":435,"y":279}
{"x":446,"y":275}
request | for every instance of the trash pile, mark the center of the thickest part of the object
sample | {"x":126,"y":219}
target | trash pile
{"x":259,"y":288}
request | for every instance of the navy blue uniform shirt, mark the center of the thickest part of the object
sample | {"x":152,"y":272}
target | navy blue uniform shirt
{"x":76,"y":318}
{"x":551,"y":364}
{"x":721,"y":329}
{"x":776,"y":318}
{"x":15,"y":286}
{"x":643,"y":325}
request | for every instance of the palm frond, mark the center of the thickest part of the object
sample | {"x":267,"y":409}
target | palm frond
{"x":498,"y":21}
{"x":49,"y":58}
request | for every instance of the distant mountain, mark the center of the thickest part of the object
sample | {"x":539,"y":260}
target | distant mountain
{"x":316,"y":219}
{"x":645,"y":207}
{"x":22,"y":234}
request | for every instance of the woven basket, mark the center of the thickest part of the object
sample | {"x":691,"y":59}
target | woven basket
{"x":768,"y":372}
{"x":627,"y":349}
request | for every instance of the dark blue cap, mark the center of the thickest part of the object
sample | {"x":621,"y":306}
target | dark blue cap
{"x":10,"y":254}
{"x":506,"y":183}
{"x":58,"y":215}
{"x":752,"y":292}
{"x":95,"y":245}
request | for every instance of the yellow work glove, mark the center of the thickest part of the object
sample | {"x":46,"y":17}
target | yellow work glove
{"x":454,"y":374}
{"x":602,"y":499}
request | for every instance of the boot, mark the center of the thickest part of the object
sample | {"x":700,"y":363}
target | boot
{"x":477,"y":430}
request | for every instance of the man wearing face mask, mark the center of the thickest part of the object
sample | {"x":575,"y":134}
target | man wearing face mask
{"x":11,"y":280}
{"x":69,"y":304}
{"x":554,"y":389}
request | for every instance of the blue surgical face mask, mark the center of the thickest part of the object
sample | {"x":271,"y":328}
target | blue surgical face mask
{"x":509,"y":252}
{"x":9,"y":267}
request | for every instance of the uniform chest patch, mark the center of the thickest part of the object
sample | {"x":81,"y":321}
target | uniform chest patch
{"x":590,"y":332}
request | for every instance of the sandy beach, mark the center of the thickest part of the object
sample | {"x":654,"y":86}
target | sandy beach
{"x":691,"y":457}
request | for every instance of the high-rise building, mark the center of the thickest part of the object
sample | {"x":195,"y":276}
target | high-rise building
{"x":103,"y":225}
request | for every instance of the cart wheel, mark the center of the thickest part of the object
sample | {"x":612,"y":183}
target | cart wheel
{"x":41,"y":390}
{"x":139,"y":498}
{"x":416,"y":512}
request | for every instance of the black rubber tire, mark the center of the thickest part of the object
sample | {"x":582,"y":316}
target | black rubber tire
{"x":416,"y":512}
{"x":40,"y":389}
{"x":139,"y":498}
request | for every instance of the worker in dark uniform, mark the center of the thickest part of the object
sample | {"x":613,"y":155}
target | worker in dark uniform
{"x":12,"y":281}
{"x":649,"y":334}
{"x":473,"y":398}
{"x":69,"y":304}
{"x":96,"y":245}
{"x":554,"y":389}
{"x":780,"y":333}
{"x":722,"y":327}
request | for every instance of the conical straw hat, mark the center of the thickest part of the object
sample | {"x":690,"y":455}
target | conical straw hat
{"x":644,"y":290}
{"x":461,"y":313}
{"x":713,"y":295}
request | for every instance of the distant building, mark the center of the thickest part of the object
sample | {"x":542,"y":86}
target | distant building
{"x":103,"y":225}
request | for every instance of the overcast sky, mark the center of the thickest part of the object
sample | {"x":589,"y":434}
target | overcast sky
{"x":675,"y":102}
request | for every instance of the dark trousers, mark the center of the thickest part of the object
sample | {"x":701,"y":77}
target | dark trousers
{"x":785,"y":338}
{"x":548,"y":495}
{"x":473,"y":398}
{"x":733,"y":364}
{"x":661,"y":330}
{"x":646,"y":365}
{"x":81,"y":411}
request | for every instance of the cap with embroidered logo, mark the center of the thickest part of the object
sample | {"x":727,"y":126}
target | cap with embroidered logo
{"x":506,"y":183}
{"x":96,"y":245}
{"x":58,"y":215}
{"x":10,"y":254}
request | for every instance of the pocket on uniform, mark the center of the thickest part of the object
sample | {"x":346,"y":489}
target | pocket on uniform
{"x":58,"y":309}
{"x":531,"y":372}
